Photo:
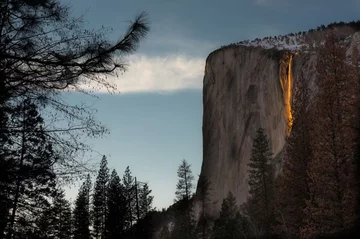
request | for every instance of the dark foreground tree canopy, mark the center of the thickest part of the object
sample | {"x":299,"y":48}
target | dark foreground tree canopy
{"x":43,"y":52}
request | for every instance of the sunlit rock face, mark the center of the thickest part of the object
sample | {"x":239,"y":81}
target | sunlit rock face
{"x":245,"y":88}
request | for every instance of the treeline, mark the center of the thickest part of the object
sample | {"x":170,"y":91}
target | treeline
{"x":112,"y":207}
{"x":316,"y":194}
{"x":108,"y":209}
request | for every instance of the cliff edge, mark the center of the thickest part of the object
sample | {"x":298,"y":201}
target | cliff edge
{"x":245,"y":88}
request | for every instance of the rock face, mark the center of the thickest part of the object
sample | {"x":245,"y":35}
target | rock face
{"x":245,"y":88}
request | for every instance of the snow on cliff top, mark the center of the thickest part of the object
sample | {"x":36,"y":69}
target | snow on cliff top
{"x":305,"y":40}
{"x":291,"y":42}
{"x":280,"y":43}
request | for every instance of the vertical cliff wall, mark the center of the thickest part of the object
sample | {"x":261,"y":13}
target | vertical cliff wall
{"x":245,"y":88}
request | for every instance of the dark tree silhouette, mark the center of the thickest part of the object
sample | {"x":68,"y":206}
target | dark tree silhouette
{"x":99,"y":212}
{"x":145,"y":200}
{"x":230,"y":224}
{"x":185,"y":184}
{"x":56,"y":221}
{"x":32,"y":159}
{"x":62,"y":217}
{"x":81,"y":217}
{"x":185,"y":220}
{"x":261,"y":179}
{"x":43,"y":51}
{"x":129,"y":187}
{"x":117,"y":208}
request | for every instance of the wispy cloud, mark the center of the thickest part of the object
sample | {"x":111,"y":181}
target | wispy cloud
{"x":158,"y":74}
{"x":165,"y":63}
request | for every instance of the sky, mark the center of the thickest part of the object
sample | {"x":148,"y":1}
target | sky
{"x":155,"y":119}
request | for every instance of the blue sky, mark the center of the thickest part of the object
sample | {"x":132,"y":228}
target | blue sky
{"x":156,"y":120}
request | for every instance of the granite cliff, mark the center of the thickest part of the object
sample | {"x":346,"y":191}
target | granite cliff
{"x":247,"y":86}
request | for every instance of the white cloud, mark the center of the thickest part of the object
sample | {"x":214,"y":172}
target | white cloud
{"x":158,"y":74}
{"x":174,"y":62}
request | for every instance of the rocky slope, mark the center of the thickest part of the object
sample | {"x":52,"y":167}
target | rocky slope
{"x":247,"y":87}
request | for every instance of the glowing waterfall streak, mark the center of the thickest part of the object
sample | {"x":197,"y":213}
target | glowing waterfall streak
{"x":286,"y":85}
{"x":288,"y":95}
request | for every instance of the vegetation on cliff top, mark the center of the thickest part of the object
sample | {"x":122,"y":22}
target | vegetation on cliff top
{"x":300,"y":41}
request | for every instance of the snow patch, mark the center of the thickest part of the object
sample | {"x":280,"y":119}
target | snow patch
{"x":304,"y":41}
{"x":293,"y":42}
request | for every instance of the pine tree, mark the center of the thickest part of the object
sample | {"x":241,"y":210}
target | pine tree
{"x":229,"y":223}
{"x":332,"y":179}
{"x":183,"y":193}
{"x":81,"y":217}
{"x":145,"y":200}
{"x":62,"y":217}
{"x":32,"y":174}
{"x":292,"y":190}
{"x":99,"y":212}
{"x":185,"y":184}
{"x":129,"y":187}
{"x":117,"y":208}
{"x":55,"y":222}
{"x":44,"y":50}
{"x":44,"y":224}
{"x":55,"y":45}
{"x":203,"y":197}
{"x":261,"y":179}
